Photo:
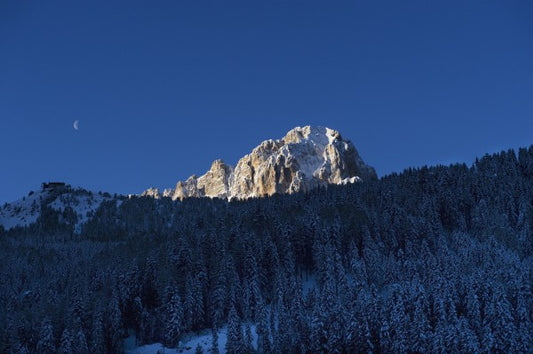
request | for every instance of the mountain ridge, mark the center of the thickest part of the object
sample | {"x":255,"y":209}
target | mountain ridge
{"x":305,"y":158}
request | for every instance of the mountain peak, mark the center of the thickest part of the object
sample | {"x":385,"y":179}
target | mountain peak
{"x":305,"y":158}
{"x":317,"y":134}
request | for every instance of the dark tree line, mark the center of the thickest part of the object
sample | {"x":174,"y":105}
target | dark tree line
{"x":435,"y":259}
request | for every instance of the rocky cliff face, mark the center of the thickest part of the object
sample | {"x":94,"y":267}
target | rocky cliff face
{"x":307,"y":157}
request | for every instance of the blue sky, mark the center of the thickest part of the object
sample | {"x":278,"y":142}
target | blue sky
{"x":161,"y":89}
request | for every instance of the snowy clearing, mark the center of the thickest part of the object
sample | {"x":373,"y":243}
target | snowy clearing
{"x":204,"y":339}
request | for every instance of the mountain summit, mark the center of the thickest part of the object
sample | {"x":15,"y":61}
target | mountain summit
{"x":305,"y":158}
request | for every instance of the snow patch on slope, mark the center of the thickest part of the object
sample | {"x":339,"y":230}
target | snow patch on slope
{"x":22,"y":212}
{"x":26,"y":211}
{"x":83,"y":206}
{"x":308,"y":146}
{"x":189,"y":343}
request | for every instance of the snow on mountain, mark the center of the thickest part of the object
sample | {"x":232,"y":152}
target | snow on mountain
{"x":305,"y":158}
{"x":83,"y":205}
{"x":25,"y":211}
{"x":22,"y":212}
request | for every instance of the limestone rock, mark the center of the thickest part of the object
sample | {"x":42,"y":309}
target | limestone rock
{"x":151,"y":192}
{"x":305,"y":158}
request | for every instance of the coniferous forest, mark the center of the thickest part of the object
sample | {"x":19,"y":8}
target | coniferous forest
{"x":434,"y":259}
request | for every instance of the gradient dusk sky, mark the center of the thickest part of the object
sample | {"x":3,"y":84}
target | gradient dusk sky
{"x":161,"y":89}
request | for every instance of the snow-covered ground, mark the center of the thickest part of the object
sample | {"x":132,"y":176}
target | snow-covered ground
{"x":82,"y":205}
{"x":188,"y":344}
{"x":22,"y":212}
{"x":308,"y":282}
{"x":25,"y":211}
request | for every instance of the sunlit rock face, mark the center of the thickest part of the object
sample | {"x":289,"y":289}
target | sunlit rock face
{"x":151,"y":192}
{"x":305,"y":158}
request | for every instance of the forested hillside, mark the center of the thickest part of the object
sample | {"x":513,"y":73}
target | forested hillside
{"x":434,"y":259}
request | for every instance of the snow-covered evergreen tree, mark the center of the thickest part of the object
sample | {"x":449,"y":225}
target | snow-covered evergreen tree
{"x":65,"y":345}
{"x":235,"y":342}
{"x":79,"y":342}
{"x":46,"y":343}
{"x":173,"y":319}
{"x":97,"y":343}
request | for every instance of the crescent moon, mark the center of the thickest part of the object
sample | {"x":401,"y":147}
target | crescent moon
{"x":76,"y":124}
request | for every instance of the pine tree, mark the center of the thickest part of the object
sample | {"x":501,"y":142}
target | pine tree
{"x":473,"y":310}
{"x":114,"y":324}
{"x":217,"y":299}
{"x":193,"y":304}
{"x":188,"y":303}
{"x":235,"y":343}
{"x":174,"y":319}
{"x":46,"y":343}
{"x":97,"y":337}
{"x":319,"y":330}
{"x":79,"y":344}
{"x":262,"y":329}
{"x":65,"y":346}
{"x":366,"y":343}
{"x":504,"y":329}
{"x":248,"y":339}
{"x":385,"y":341}
{"x":420,"y":331}
{"x":525,"y":337}
{"x":21,"y":349}
{"x":467,"y":339}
